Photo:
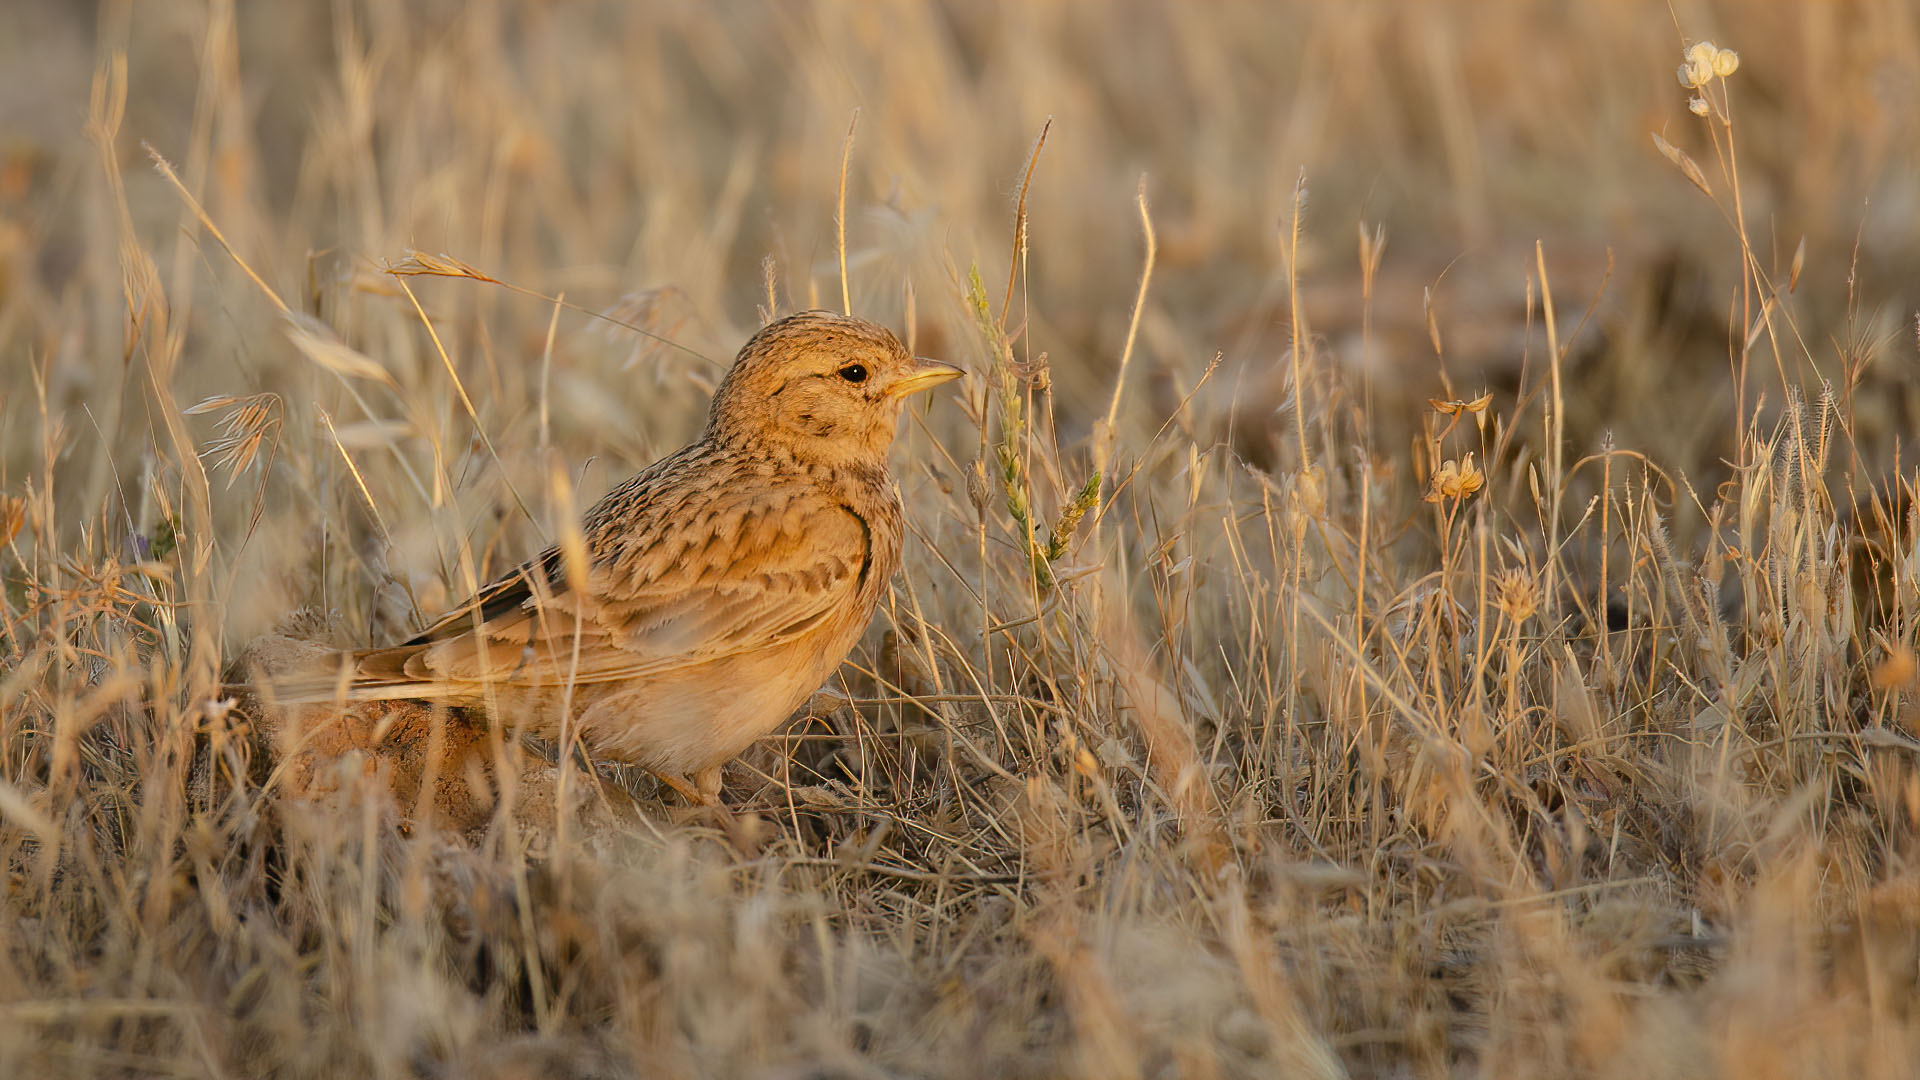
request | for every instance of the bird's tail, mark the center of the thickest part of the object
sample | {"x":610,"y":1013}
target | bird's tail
{"x":366,"y":675}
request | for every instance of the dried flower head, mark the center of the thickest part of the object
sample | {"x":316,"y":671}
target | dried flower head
{"x":1455,"y":480}
{"x":1455,"y":408}
{"x":1516,"y":593}
{"x":1704,"y":62}
{"x":977,"y":487}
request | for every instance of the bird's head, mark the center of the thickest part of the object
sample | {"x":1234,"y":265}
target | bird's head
{"x":828,"y":388}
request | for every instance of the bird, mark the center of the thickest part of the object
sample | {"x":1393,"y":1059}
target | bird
{"x":722,"y":585}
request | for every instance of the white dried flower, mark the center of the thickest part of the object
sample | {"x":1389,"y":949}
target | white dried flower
{"x":1698,"y":70}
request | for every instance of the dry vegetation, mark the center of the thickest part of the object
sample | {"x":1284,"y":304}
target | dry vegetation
{"x":1563,"y":726}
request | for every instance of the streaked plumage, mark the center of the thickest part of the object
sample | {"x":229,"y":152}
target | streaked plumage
{"x":725,"y":582}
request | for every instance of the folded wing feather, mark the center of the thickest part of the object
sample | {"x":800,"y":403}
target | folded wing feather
{"x":780,"y":574}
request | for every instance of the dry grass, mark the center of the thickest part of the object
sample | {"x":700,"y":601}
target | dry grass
{"x":1239,"y":712}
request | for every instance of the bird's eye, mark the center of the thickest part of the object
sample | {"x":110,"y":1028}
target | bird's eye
{"x":855,"y":373}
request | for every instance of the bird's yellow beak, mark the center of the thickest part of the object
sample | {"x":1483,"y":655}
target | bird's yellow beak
{"x":925,"y":375}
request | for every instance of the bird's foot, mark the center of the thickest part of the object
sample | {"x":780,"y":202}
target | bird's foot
{"x":701,"y":791}
{"x":747,"y":833}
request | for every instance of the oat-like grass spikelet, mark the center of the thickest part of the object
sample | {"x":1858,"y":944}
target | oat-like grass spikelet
{"x":247,"y":424}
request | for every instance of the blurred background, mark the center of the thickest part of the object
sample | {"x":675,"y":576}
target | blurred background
{"x":669,"y":159}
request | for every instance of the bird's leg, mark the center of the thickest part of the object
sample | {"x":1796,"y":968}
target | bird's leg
{"x":701,"y":789}
{"x":702,"y":794}
{"x":707,"y":783}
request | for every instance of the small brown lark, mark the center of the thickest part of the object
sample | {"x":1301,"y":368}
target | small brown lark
{"x":723,"y":584}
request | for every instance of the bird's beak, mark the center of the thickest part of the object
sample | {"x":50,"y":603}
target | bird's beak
{"x":925,"y":375}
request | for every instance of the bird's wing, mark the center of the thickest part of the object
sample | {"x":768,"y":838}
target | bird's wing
{"x":545,"y":572}
{"x":738,"y":573}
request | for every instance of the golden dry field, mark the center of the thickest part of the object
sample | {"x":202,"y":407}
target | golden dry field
{"x":1421,"y":580}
